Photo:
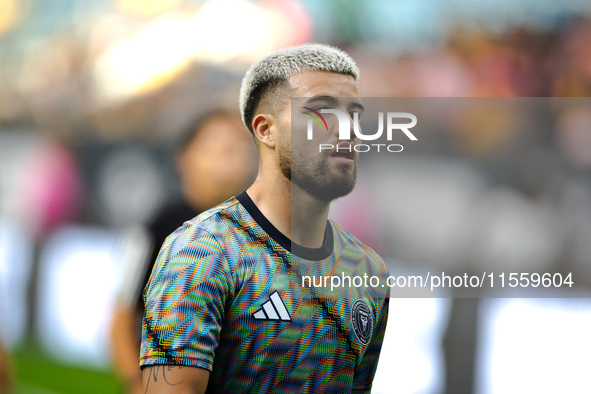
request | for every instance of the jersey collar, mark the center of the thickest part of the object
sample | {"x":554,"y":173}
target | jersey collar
{"x":301,"y":251}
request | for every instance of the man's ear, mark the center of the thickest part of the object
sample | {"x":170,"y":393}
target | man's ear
{"x":261,"y":125}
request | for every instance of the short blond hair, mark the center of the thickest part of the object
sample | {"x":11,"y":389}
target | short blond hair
{"x":277,"y":67}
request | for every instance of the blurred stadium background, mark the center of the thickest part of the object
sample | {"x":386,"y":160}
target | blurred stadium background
{"x":92,"y":94}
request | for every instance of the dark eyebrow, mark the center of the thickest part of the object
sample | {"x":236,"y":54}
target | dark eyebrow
{"x":325,"y":99}
{"x":334,"y":101}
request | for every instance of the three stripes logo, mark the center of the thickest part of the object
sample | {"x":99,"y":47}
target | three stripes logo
{"x":274,"y":309}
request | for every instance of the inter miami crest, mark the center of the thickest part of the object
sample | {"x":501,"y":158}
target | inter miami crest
{"x":362,"y":320}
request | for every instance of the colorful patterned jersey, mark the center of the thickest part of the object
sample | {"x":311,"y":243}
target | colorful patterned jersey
{"x":226,"y":294}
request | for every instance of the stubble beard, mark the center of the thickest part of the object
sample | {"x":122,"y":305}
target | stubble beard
{"x":315,"y":177}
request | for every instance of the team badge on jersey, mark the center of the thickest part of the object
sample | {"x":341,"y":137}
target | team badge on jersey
{"x":362,"y":320}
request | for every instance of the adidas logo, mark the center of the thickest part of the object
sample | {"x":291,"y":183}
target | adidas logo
{"x":274,"y":309}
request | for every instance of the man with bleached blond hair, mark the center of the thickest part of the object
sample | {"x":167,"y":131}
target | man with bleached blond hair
{"x":226,"y":311}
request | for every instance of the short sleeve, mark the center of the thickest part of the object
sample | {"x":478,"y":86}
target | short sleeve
{"x":365,"y":371}
{"x":185,"y":301}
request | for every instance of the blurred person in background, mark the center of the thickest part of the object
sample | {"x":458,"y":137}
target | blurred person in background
{"x":215,"y":160}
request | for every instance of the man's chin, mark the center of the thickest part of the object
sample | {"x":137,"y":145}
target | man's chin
{"x":327,"y":184}
{"x":328,"y":193}
{"x":342,"y":187}
{"x":339,"y":193}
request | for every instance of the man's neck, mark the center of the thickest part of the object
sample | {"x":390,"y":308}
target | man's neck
{"x":299,"y":216}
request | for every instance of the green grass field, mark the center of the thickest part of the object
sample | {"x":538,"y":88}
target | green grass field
{"x":38,"y":373}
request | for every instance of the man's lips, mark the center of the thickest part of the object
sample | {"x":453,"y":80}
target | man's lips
{"x":344,"y":152}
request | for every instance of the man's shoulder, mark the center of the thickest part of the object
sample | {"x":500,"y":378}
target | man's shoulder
{"x":346,"y":239}
{"x":362,"y":259}
{"x":211,"y":226}
{"x":354,"y":249}
{"x":218,"y":215}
